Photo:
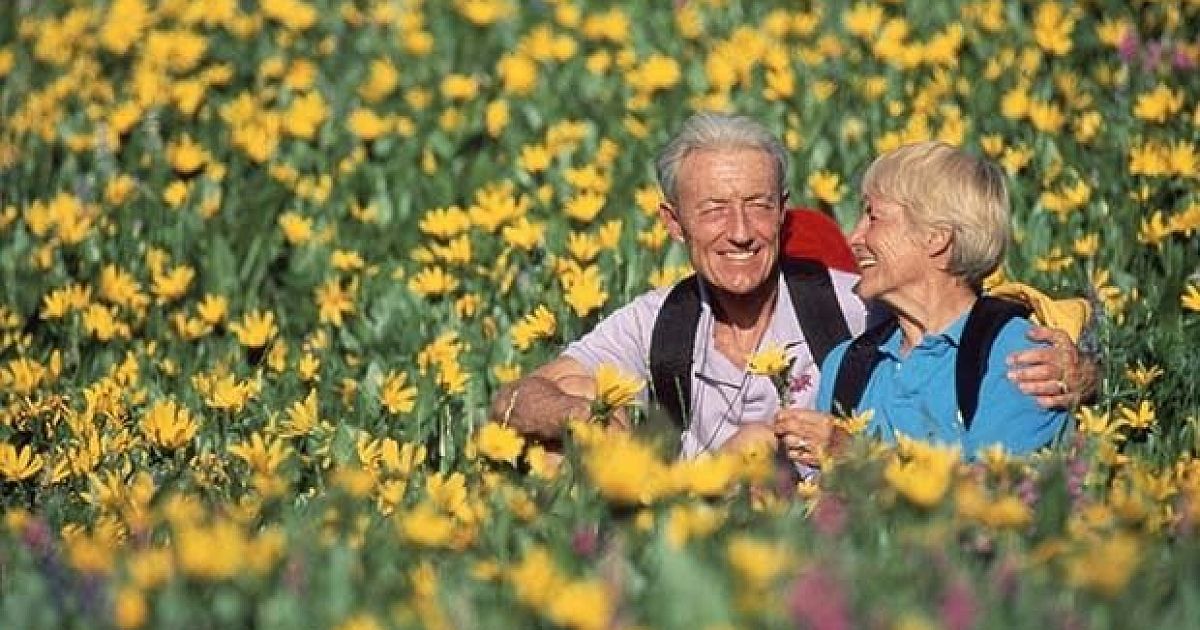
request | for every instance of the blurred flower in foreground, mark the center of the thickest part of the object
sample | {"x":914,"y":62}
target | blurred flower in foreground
{"x":1105,"y":566}
{"x":921,"y":471}
{"x":625,"y":470}
{"x":818,"y":600}
{"x":756,"y":561}
{"x":499,"y":443}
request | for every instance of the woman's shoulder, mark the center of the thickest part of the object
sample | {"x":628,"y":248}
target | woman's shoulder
{"x":1013,"y":337}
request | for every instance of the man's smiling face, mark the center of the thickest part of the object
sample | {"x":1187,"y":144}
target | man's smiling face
{"x":729,"y":214}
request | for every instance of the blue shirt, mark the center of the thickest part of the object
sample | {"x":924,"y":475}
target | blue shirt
{"x":915,"y":394}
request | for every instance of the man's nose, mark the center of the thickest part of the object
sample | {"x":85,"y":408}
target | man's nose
{"x":738,"y":228}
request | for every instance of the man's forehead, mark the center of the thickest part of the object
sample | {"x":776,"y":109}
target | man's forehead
{"x":720,"y":170}
{"x":739,"y":152}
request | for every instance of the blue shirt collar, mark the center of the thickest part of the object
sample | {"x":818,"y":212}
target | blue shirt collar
{"x":952,"y":336}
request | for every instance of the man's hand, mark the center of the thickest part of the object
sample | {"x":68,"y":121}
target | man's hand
{"x":1058,"y":377}
{"x":806,"y":435}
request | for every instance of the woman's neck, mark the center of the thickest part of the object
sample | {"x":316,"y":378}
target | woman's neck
{"x":931,"y":309}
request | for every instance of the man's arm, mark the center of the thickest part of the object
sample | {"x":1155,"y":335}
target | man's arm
{"x":540,"y":404}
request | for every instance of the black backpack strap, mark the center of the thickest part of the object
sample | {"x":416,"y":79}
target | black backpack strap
{"x":817,"y":308}
{"x":671,"y":346}
{"x":857,"y":365}
{"x":987,"y":317}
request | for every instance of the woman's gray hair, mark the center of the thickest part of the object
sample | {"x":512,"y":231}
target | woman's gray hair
{"x":940,"y":186}
{"x":716,"y":131}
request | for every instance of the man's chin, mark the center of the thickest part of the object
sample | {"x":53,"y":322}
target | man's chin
{"x":742,"y":286}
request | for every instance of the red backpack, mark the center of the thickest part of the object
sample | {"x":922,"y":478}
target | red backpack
{"x":813,"y":235}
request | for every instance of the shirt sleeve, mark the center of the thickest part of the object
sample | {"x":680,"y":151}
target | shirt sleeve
{"x":622,"y":339}
{"x":1006,"y":415}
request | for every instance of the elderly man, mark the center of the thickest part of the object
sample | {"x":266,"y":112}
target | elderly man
{"x":723,"y":182}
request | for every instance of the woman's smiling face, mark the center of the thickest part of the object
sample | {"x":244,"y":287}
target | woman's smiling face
{"x":889,"y":249}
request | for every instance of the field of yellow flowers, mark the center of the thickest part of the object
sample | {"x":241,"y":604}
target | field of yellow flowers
{"x":262,"y":263}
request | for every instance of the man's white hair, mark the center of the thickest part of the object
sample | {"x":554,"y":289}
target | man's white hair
{"x":716,"y":131}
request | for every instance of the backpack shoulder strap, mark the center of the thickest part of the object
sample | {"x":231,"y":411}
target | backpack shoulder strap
{"x":857,"y":365}
{"x":987,"y":317}
{"x":672,"y":343}
{"x":817,"y":308}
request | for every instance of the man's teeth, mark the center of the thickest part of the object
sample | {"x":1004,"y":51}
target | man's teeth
{"x":739,"y":255}
{"x":863,"y":263}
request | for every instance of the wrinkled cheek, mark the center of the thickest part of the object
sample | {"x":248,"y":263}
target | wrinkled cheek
{"x":888,"y":253}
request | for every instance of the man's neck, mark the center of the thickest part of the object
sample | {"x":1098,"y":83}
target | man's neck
{"x":742,"y":319}
{"x":746,"y":310}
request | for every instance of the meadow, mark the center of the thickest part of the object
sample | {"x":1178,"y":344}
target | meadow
{"x":264,"y":262}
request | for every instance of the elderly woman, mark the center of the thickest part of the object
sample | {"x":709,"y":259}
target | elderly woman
{"x":934,"y":225}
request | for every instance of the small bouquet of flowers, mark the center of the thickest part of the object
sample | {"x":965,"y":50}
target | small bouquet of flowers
{"x":774,"y":363}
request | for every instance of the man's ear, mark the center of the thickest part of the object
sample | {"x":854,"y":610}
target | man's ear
{"x":670,"y":217}
{"x":785,"y":198}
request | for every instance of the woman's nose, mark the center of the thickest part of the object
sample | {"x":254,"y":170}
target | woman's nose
{"x":860,"y":229}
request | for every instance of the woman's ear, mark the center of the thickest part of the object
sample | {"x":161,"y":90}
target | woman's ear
{"x":938,"y":241}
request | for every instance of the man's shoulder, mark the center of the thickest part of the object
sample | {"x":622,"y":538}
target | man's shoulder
{"x":638,"y":314}
{"x":648,"y":304}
